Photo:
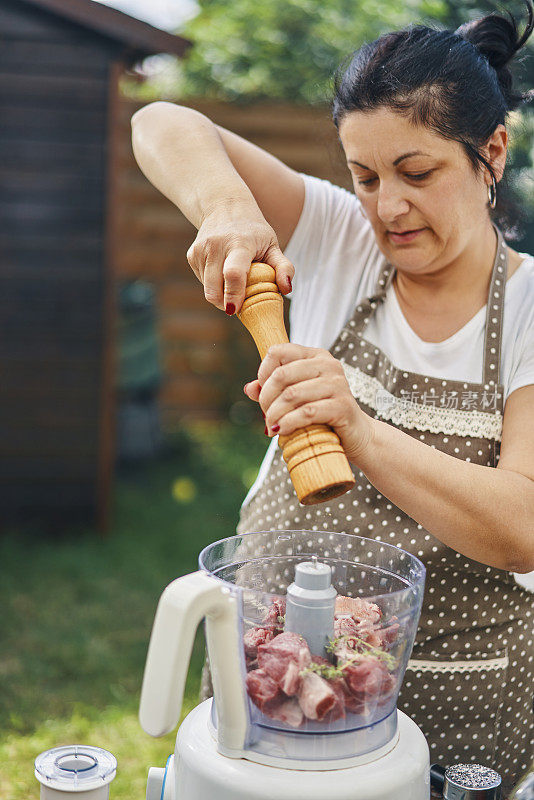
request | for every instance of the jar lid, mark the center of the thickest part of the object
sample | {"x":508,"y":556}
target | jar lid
{"x":471,"y":782}
{"x":75,"y":768}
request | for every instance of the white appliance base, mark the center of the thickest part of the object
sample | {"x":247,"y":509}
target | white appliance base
{"x":202,"y":773}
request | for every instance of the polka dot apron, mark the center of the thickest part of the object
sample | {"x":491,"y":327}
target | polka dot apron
{"x":469,"y":682}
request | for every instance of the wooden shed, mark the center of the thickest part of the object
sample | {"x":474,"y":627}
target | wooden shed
{"x":60,"y":62}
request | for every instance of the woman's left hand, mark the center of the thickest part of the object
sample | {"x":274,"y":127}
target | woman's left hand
{"x":299,"y":386}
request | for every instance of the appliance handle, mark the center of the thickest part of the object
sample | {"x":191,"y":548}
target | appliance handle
{"x":181,"y":608}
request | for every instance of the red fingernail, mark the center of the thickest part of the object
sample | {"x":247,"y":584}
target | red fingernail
{"x":266,"y":431}
{"x":275,"y":428}
{"x":289,"y":283}
{"x":230,"y":309}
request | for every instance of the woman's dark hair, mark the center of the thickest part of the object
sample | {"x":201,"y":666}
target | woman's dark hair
{"x":457,"y":83}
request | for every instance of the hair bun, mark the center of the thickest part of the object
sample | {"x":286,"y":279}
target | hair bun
{"x":496,"y":37}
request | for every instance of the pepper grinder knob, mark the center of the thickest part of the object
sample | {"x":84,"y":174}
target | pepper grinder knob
{"x":471,"y":782}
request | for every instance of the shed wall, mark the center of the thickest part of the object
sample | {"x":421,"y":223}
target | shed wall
{"x":54,"y":80}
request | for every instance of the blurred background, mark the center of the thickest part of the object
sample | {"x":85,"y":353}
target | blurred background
{"x":126,"y":443}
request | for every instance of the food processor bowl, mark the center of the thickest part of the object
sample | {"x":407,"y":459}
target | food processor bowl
{"x":338,"y":704}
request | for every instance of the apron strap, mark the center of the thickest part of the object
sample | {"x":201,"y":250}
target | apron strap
{"x":384,"y":279}
{"x":494,"y":314}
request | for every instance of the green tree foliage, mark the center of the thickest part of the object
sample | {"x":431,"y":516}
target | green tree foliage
{"x":285,"y":49}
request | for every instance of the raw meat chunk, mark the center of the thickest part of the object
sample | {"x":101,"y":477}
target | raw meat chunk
{"x":255,"y":637}
{"x":369,"y":683}
{"x":316,"y":696}
{"x":261,"y":688}
{"x":290,"y":682}
{"x":388,"y":635}
{"x":283,"y":658}
{"x":346,"y":626}
{"x":286,"y":710}
{"x":370,"y":632}
{"x":339,"y":688}
{"x":274,"y":615}
{"x":365,"y":675}
{"x":358,"y":608}
{"x":364,"y":631}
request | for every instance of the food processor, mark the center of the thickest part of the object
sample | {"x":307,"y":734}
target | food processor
{"x":308,"y":637}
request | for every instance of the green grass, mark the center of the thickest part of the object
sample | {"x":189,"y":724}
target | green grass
{"x":77,"y":610}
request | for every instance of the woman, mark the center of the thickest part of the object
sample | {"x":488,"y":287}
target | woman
{"x":412,"y":335}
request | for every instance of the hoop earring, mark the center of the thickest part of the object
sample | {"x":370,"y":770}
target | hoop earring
{"x":492,"y":193}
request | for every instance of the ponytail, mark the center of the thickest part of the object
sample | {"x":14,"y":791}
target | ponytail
{"x":497,"y":39}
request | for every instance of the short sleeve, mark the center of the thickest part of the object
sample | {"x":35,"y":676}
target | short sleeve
{"x":336,"y":258}
{"x":523,"y":374}
{"x":330,"y":215}
{"x":518,"y":345}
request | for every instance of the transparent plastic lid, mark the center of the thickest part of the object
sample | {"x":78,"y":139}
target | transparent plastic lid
{"x":353,"y":682}
{"x":75,"y":767}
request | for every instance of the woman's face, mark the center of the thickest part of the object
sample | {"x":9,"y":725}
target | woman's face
{"x":434,"y":191}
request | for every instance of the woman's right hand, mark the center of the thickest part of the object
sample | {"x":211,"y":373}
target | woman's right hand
{"x":232,"y":236}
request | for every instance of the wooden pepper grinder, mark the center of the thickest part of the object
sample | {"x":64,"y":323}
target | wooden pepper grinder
{"x":314,"y":456}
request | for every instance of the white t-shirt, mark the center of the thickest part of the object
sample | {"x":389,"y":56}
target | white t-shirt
{"x":337,"y":262}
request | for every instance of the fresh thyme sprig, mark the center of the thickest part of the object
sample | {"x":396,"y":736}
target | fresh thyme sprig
{"x":361,"y":647}
{"x":327,"y":671}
